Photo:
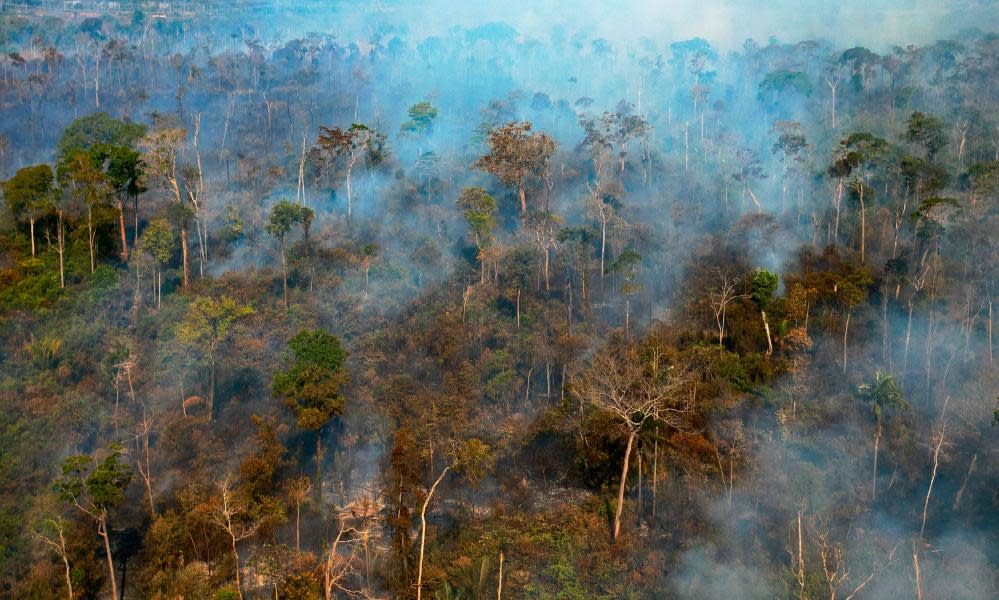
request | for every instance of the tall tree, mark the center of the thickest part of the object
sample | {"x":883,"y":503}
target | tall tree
{"x":351,"y":144}
{"x":157,"y":242}
{"x":638,"y":389}
{"x":26,"y":195}
{"x":479,"y":210}
{"x":884,"y":395}
{"x":283,"y":216}
{"x":207,"y":326}
{"x":763,"y":289}
{"x":515,"y":153}
{"x":310,"y":386}
{"x":95,"y":487}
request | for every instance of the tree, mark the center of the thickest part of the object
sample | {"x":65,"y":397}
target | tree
{"x":95,"y":487}
{"x":638,"y":390}
{"x":181,"y":216}
{"x":310,"y":386}
{"x":88,"y":183}
{"x":208,"y":325}
{"x":516,"y":153}
{"x":110,"y":143}
{"x":851,"y":292}
{"x":627,"y":265}
{"x":544,"y":226}
{"x":283,"y":216}
{"x":231,"y":512}
{"x":421,"y":119}
{"x":162,"y":147}
{"x":612,"y":132}
{"x":352,"y":144}
{"x":763,"y":289}
{"x":479,"y":210}
{"x":157,"y":243}
{"x":927,"y":131}
{"x":51,"y":532}
{"x":97,"y":129}
{"x":719,"y":298}
{"x":858,"y":155}
{"x":884,"y":395}
{"x":123,"y":166}
{"x":27,"y":194}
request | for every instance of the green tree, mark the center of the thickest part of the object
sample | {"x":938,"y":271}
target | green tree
{"x":98,"y":128}
{"x":883,"y":395}
{"x":207,"y":326}
{"x":95,"y":487}
{"x":763,"y":290}
{"x":124,"y":168}
{"x":283,"y":216}
{"x":310,"y":386}
{"x":87,"y":182}
{"x":26,"y":195}
{"x":927,"y":131}
{"x":157,"y":242}
{"x":479,"y":210}
{"x":421,"y":119}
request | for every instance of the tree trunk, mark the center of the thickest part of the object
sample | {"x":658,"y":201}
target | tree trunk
{"x":211,"y":389}
{"x":523,"y":197}
{"x":121,"y":231}
{"x":102,"y":530}
{"x":518,"y":316}
{"x":603,"y":248}
{"x":235,"y":555}
{"x":620,"y":490}
{"x":90,"y":236}
{"x":766,"y":328}
{"x":846,"y":331}
{"x":319,"y":467}
{"x":61,"y":241}
{"x":423,"y":532}
{"x":874,"y":484}
{"x":499,"y":586}
{"x":936,"y":463}
{"x":863,"y":223}
{"x":298,"y":521}
{"x":284,"y":276}
{"x":349,"y":202}
{"x":908,"y":336}
{"x":31,"y":225}
{"x":183,"y":252}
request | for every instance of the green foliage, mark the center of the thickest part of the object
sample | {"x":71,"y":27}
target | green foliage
{"x":927,"y":131}
{"x":27,"y":193}
{"x":778,"y":81}
{"x":157,"y":241}
{"x":95,"y":485}
{"x":479,"y":210}
{"x":311,"y":385}
{"x":421,"y":119}
{"x":883,"y":394}
{"x":98,"y":128}
{"x":209,"y":321}
{"x":764,"y":288}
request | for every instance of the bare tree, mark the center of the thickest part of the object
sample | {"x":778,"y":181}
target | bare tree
{"x":231,"y":513}
{"x":636,"y":390}
{"x":51,"y":532}
{"x":720,"y":297}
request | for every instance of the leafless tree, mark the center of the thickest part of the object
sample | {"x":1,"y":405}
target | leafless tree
{"x":636,"y":389}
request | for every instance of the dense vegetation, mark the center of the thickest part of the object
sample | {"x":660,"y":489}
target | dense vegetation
{"x":482,"y":315}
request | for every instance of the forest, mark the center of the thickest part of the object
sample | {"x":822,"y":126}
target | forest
{"x":314,"y":301}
